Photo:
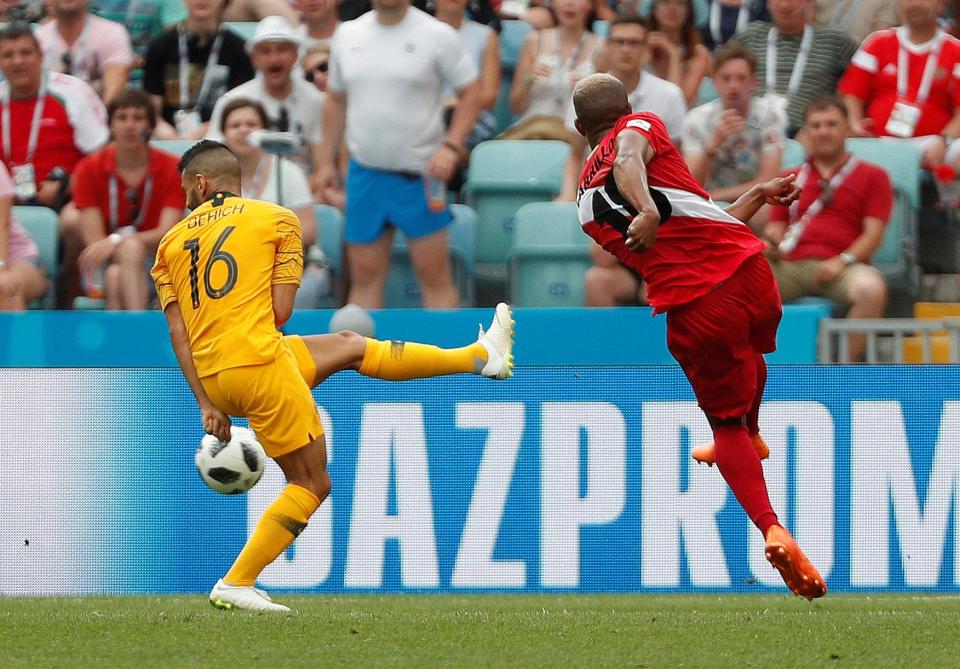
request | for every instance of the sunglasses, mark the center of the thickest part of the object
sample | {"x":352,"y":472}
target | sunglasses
{"x":320,"y":68}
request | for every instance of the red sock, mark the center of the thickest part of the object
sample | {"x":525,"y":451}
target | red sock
{"x":753,"y":415}
{"x":740,"y":467}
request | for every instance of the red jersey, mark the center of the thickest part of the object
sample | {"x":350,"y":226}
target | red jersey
{"x":697,"y":247}
{"x":872,"y":77}
{"x":865,"y":192}
{"x":140,"y":205}
{"x":73,"y":123}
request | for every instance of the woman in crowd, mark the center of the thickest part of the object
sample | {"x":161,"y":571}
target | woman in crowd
{"x":21,"y":278}
{"x":551,"y":62}
{"x":676,"y":48}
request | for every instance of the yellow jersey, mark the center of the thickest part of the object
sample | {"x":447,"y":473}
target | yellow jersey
{"x":219,"y":263}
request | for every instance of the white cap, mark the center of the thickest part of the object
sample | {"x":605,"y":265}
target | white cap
{"x":273,"y":29}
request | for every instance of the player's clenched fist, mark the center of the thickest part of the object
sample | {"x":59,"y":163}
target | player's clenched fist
{"x":643,"y":230}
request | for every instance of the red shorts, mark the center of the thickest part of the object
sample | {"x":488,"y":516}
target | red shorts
{"x":718,"y":338}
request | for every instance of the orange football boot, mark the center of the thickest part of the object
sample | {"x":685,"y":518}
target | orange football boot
{"x":704,"y":452}
{"x":797,"y":571}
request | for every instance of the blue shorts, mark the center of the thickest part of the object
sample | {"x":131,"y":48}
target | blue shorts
{"x":376,"y":199}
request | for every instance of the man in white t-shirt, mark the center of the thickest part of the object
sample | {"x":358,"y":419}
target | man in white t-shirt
{"x":86,"y":46}
{"x":735,"y":141}
{"x":292,"y":103}
{"x":388,"y":71}
{"x":627,"y":54}
{"x":318,"y":21}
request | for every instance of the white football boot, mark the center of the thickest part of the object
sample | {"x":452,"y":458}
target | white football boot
{"x":498,"y":341}
{"x":224,"y":596}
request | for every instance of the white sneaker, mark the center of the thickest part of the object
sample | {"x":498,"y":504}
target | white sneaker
{"x":224,"y":596}
{"x":498,"y":340}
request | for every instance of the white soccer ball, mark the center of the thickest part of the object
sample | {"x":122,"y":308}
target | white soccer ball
{"x":234,"y":467}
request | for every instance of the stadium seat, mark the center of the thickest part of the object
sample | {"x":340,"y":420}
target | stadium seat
{"x":43,"y":226}
{"x":502,"y":177}
{"x":330,"y":239}
{"x":896,"y":258}
{"x":549,"y":257}
{"x":244,"y":29}
{"x":512,"y":34}
{"x":793,"y":154}
{"x":177,"y":147}
{"x":601,"y":28}
{"x":403,"y":289}
{"x":84,"y":303}
{"x":707,"y":91}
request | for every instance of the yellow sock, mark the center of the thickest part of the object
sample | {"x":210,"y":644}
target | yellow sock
{"x":401,"y":361}
{"x":279,"y":525}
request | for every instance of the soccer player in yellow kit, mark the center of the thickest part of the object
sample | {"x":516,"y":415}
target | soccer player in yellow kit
{"x":226,"y":277}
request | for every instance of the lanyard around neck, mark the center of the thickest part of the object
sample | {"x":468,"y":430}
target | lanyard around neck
{"x":743,"y":18}
{"x":184,"y":79}
{"x":34,"y":123}
{"x":926,"y":82}
{"x":798,"y":66}
{"x":794,"y":232}
{"x":115,"y":203}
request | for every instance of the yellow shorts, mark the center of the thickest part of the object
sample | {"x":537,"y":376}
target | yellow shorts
{"x":275,"y":397}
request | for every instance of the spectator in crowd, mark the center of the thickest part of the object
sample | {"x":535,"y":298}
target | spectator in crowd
{"x":291,"y":103}
{"x":822,"y":244}
{"x":626,"y":48}
{"x":387,"y":75}
{"x":905,"y":82}
{"x":857,"y":18}
{"x":483,"y":48}
{"x":144,"y":20}
{"x":21,"y":278}
{"x":266,"y":176}
{"x":127,"y":195}
{"x":86,"y":46}
{"x":55,"y":119}
{"x":190,"y":66}
{"x":798,"y":60}
{"x":316,"y":66}
{"x":251,"y":11}
{"x":676,"y":49}
{"x":728,"y":17}
{"x":318,"y":20}
{"x":736,"y":141}
{"x":270,"y":177}
{"x":551,"y":62}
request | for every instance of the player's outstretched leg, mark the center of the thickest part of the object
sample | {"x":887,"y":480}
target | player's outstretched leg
{"x":491,"y":355}
{"x":704,"y":453}
{"x":738,"y":463}
{"x":308,"y":484}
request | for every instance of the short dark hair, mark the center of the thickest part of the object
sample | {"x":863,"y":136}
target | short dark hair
{"x":823,"y":102}
{"x":734,"y":51}
{"x":132,"y":98}
{"x":243,"y":103}
{"x":16,"y":30}
{"x":212,"y":159}
{"x":628,"y":19}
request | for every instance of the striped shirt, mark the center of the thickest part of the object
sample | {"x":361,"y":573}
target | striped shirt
{"x":829,"y":56}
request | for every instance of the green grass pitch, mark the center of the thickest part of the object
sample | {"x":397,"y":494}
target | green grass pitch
{"x":565,"y":631}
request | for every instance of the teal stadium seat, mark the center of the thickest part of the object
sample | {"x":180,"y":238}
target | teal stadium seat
{"x":43,"y":226}
{"x":502,"y":177}
{"x":707,"y":91}
{"x":330,"y":239}
{"x":550,"y":256}
{"x":244,"y":29}
{"x":403,"y":289}
{"x":793,"y":154}
{"x":601,"y":28}
{"x":512,"y":34}
{"x":177,"y":147}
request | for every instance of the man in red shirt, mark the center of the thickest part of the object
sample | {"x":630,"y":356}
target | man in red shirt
{"x":822,"y":244}
{"x":126,"y":196}
{"x":905,"y":82}
{"x":706,"y":270}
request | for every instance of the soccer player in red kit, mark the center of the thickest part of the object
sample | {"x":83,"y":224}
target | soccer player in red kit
{"x":707,"y":271}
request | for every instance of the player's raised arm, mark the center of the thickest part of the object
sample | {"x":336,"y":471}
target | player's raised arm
{"x":781,"y":190}
{"x":630,"y":173}
{"x":215,"y":422}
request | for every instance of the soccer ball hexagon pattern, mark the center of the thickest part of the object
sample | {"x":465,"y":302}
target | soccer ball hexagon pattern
{"x":234,"y":467}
